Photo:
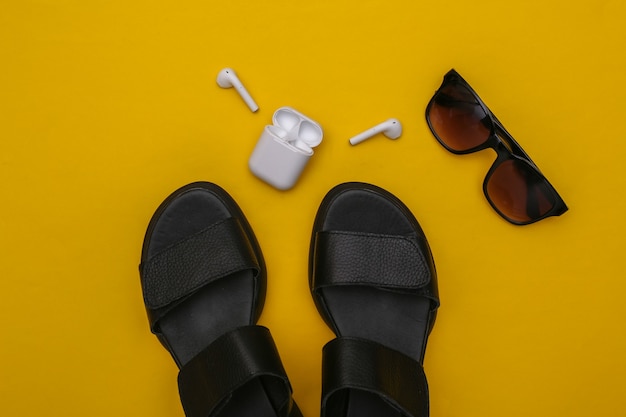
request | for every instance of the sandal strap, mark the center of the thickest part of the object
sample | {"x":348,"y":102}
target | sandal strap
{"x":360,"y":364}
{"x":352,"y":258}
{"x":208,"y":380}
{"x":215,"y":252}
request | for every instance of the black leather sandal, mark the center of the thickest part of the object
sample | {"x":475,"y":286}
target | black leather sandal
{"x":373,"y":279}
{"x":204,"y":279}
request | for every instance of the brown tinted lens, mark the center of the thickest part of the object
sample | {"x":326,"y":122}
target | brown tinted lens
{"x":519,"y":192}
{"x":458,"y":119}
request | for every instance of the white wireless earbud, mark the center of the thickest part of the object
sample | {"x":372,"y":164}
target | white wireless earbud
{"x":390,"y":128}
{"x":227,"y":78}
{"x":301,"y":145}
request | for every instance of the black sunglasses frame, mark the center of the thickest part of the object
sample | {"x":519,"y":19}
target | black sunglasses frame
{"x":506,"y":148}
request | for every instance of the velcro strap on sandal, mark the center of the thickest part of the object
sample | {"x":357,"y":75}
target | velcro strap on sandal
{"x":351,"y":363}
{"x":352,"y":258}
{"x":207,"y":381}
{"x":215,"y":252}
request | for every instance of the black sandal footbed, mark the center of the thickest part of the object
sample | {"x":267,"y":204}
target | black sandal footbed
{"x":207,"y":312}
{"x":396,"y":315}
{"x":208,"y":317}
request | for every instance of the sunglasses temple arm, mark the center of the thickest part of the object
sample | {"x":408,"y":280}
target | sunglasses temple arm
{"x":532,"y":204}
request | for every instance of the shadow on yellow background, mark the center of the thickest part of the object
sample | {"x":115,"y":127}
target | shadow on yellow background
{"x":108,"y":106}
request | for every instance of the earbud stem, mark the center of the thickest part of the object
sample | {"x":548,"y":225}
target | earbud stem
{"x":364,"y":136}
{"x":247,"y":98}
{"x":390,"y":128}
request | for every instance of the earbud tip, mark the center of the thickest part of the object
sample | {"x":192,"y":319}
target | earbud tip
{"x":222,"y":78}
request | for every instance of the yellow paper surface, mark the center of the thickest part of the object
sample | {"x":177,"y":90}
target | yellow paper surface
{"x":106,"y":107}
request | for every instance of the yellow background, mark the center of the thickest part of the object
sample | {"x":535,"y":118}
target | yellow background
{"x":106,"y":107}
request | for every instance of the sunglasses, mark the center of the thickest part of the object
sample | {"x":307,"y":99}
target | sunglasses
{"x":514,"y":186}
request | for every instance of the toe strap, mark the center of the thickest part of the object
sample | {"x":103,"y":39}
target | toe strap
{"x":344,"y":258}
{"x":359,"y":364}
{"x":208,"y":381}
{"x":215,"y":252}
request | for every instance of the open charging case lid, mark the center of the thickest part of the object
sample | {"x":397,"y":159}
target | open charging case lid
{"x":285,"y":147}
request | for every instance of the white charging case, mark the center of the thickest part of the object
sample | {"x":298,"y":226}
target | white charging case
{"x":284,"y":148}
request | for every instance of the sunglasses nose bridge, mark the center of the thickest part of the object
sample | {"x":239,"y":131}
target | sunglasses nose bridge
{"x":501,"y":146}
